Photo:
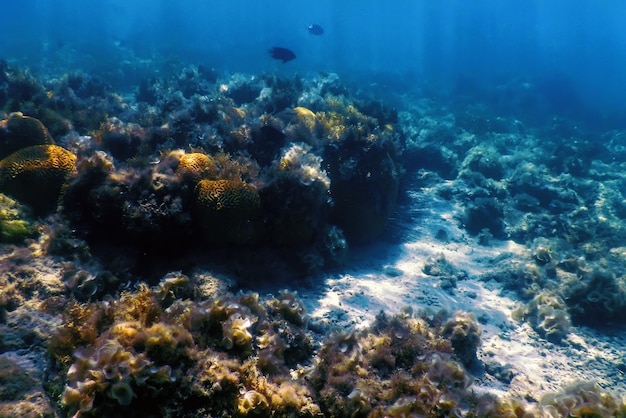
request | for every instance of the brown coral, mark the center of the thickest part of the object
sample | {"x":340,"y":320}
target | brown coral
{"x":35,"y":175}
{"x":19,"y":131}
{"x":226,"y":210}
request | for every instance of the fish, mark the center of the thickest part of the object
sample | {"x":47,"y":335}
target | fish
{"x":315,"y":29}
{"x":283,"y":54}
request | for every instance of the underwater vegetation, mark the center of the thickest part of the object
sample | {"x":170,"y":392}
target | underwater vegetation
{"x":241,"y":355}
{"x":400,"y":366}
{"x":276,"y":178}
{"x":222,"y":355}
{"x":16,"y":223}
{"x":548,"y":315}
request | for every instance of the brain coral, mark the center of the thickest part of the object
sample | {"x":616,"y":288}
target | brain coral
{"x":196,"y":166}
{"x":19,"y":131}
{"x":226,"y":209}
{"x":35,"y":175}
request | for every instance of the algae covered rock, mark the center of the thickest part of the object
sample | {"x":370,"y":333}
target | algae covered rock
{"x":21,"y":394}
{"x":463,"y":332}
{"x":596,"y":298}
{"x":19,"y":131}
{"x":362,"y":159}
{"x":365,"y":182}
{"x":35,"y":175}
{"x":295,"y":200}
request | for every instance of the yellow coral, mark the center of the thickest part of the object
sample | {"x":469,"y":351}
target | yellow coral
{"x":226,"y":209}
{"x":196,"y":166}
{"x":216,"y":195}
{"x":35,"y":175}
{"x":303,"y":112}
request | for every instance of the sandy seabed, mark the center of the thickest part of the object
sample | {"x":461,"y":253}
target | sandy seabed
{"x":514,"y":357}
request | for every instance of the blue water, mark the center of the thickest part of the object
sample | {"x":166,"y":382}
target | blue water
{"x":573,"y":50}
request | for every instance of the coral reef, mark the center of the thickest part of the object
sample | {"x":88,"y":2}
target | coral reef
{"x":317,"y":167}
{"x":81,"y":98}
{"x":297,"y":173}
{"x":19,"y":87}
{"x":364,"y":169}
{"x":121,"y":140}
{"x":143,"y":205}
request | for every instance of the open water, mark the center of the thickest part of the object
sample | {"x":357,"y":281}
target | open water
{"x":574,"y":49}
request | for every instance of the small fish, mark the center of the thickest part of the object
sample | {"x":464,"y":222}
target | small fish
{"x":315,"y":29}
{"x":283,"y":54}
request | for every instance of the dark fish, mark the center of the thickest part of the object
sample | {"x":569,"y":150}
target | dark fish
{"x":315,"y":29}
{"x":282,"y":54}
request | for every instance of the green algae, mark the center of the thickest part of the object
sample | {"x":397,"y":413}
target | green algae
{"x":14,"y":224}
